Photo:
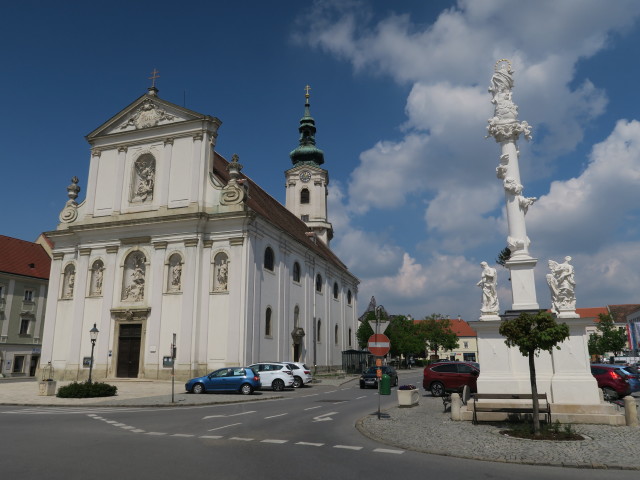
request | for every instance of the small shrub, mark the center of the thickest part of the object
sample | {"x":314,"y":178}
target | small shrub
{"x":87,"y":390}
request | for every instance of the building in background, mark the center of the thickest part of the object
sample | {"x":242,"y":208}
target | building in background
{"x":467,"y":343}
{"x":24,"y":277}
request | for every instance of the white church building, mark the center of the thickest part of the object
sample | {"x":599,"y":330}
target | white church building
{"x":172,"y":239}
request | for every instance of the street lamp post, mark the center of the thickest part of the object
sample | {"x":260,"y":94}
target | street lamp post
{"x":93,"y":334}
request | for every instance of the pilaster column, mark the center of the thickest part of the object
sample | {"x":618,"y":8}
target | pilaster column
{"x":106,"y":342}
{"x":241,"y":332}
{"x":166,"y":171}
{"x":120,"y":180}
{"x":186,"y":335}
{"x":94,"y":167}
{"x":196,"y":170}
{"x":48,"y":336}
{"x":78,"y":333}
{"x":154,"y":321}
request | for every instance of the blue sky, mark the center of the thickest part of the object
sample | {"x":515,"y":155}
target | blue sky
{"x":399,"y":94}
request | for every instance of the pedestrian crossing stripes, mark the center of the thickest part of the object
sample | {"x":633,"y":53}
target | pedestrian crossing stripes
{"x":273,"y":441}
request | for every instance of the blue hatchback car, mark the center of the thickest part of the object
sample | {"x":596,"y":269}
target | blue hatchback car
{"x":235,"y":379}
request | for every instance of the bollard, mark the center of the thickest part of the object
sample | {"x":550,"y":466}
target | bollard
{"x":630,"y":411}
{"x":456,"y":404}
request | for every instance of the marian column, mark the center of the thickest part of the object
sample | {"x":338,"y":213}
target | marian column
{"x":505,"y":129}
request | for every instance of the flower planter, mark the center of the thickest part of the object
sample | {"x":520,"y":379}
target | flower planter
{"x":408,"y":398}
{"x":47,"y":388}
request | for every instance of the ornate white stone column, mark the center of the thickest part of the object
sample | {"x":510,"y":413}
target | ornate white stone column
{"x":505,"y":129}
{"x":117,"y":197}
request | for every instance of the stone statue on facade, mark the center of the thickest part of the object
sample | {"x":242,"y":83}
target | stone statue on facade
{"x":562,"y":285}
{"x":145,"y":176}
{"x":176,"y":277}
{"x":98,"y":281}
{"x":71,"y":280}
{"x":489,"y":284}
{"x":135,"y":290}
{"x":222,"y":276}
{"x":504,"y":123}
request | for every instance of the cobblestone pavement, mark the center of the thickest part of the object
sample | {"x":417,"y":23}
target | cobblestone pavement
{"x":426,"y":428}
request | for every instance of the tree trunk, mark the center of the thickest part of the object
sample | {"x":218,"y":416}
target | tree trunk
{"x":534,"y":394}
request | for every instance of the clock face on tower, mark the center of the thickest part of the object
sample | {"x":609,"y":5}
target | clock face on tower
{"x":305,"y":176}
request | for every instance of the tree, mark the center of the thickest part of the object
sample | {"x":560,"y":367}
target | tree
{"x":365,"y":330}
{"x":608,"y":338}
{"x":435,"y":332}
{"x":503,"y":257}
{"x":403,"y":338}
{"x":532,"y":333}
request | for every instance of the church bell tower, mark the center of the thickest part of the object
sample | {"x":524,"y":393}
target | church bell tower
{"x":306,"y":181}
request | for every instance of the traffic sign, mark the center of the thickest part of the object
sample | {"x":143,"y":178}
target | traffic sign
{"x":379,"y":344}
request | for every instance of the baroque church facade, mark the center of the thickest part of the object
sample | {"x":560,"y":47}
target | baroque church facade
{"x":173,"y":241}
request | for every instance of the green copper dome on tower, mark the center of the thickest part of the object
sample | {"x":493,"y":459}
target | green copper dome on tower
{"x":307,"y":152}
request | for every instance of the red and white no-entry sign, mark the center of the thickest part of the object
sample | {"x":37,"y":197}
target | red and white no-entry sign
{"x":379,"y":344}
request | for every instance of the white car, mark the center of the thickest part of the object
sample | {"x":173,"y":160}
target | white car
{"x":274,"y":375}
{"x":301,"y":374}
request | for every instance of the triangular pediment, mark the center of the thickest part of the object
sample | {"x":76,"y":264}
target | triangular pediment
{"x":146,"y":112}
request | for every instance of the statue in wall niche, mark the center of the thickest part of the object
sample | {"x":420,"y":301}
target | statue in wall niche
{"x":71,"y":280}
{"x":99,"y":276}
{"x":176,"y":276}
{"x":489,"y":284}
{"x":562,"y":285}
{"x":135,"y":290}
{"x":222,"y":276}
{"x":145,"y":177}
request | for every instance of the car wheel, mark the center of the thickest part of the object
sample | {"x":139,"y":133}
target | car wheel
{"x":395,"y":384}
{"x":362,"y":385}
{"x":609,"y":394}
{"x":297,"y":382}
{"x":277,"y":385}
{"x":198,"y":388}
{"x":246,"y":389}
{"x":437,"y":389}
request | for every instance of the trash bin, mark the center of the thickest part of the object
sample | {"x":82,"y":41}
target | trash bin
{"x":385,"y":385}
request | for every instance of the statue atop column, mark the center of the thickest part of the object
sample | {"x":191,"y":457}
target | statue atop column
{"x":489,"y":284}
{"x":504,"y":124}
{"x":562,"y":285}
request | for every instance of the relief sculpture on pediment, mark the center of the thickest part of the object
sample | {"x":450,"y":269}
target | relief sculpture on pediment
{"x":148,"y":115}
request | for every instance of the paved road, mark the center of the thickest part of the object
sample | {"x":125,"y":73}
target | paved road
{"x":308,"y":433}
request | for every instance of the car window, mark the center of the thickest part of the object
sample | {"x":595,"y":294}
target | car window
{"x":462,"y":368}
{"x":446,"y":368}
{"x":239,"y":372}
{"x":597,"y":371}
{"x":304,"y":365}
{"x":219,"y":373}
{"x":293,"y":366}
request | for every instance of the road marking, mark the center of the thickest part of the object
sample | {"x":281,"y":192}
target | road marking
{"x":127,"y":427}
{"x":182,"y":435}
{"x":268,"y":440}
{"x":119,"y":424}
{"x":92,"y":415}
{"x":215,"y":437}
{"x":344,"y":389}
{"x":313,"y":408}
{"x":137,"y":430}
{"x":232,"y":415}
{"x":156,"y":433}
{"x":310,"y":444}
{"x":332,"y":391}
{"x":386,"y":450}
{"x":233,"y":424}
{"x":274,"y":416}
{"x":113,"y":422}
{"x":324,"y":417}
{"x":310,"y":395}
{"x":242,"y":439}
{"x":358,"y":398}
{"x":347,"y":447}
{"x":341,"y":401}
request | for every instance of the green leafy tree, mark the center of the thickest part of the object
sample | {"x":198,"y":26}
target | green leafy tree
{"x":365,"y":330}
{"x":403,"y":338}
{"x":435,"y":332}
{"x":532,"y":333}
{"x":503,"y":257}
{"x":608,"y":338}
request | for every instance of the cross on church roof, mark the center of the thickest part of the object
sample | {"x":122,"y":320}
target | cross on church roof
{"x":306,"y":90}
{"x":153,"y":77}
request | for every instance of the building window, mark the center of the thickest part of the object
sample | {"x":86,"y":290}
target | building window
{"x":267,"y":323}
{"x":18,"y":364}
{"x":466,"y":344}
{"x":28,"y":295}
{"x":335,"y":335}
{"x":221,"y":272}
{"x":304,"y":218}
{"x":318,"y":283}
{"x":349,"y":297}
{"x":296,"y":317}
{"x":335,"y":290}
{"x":296,"y":272}
{"x":469,"y":357}
{"x":1,"y":291}
{"x":174,"y":273}
{"x":97,"y":275}
{"x":304,"y":195}
{"x":318,"y":331}
{"x":349,"y":337}
{"x":268,"y":259}
{"x":24,"y":326}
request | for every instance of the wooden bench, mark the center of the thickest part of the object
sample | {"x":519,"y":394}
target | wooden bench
{"x":543,"y":404}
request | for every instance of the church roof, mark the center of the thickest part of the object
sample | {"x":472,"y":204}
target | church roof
{"x":274,"y":212}
{"x":19,"y":257}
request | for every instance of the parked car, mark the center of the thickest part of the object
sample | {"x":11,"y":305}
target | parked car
{"x":632,"y":376}
{"x":301,"y":374}
{"x":443,"y":377}
{"x":369,"y":376}
{"x":612,"y":380}
{"x":274,"y":375}
{"x":236,"y":379}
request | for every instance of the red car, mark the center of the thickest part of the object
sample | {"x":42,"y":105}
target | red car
{"x":612,"y":380}
{"x":444,"y":377}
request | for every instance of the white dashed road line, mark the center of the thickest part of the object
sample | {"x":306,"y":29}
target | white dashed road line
{"x":219,"y":428}
{"x":270,"y":440}
{"x":274,"y":416}
{"x":182,"y":435}
{"x":313,"y":408}
{"x":387,"y":450}
{"x":347,"y":447}
{"x":310,"y":444}
{"x":241,"y":439}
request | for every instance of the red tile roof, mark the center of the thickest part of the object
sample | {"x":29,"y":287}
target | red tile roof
{"x":459,"y":327}
{"x":591,"y":312}
{"x":620,"y":312}
{"x":20,"y":257}
{"x":277,"y":214}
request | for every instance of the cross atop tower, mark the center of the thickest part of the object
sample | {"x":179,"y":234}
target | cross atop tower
{"x":153,"y":77}
{"x":306,"y":92}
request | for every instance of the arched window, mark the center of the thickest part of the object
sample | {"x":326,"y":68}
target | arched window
{"x":296,"y":272}
{"x":267,"y":322}
{"x":69,"y":281}
{"x":349,"y":337}
{"x":349,"y":297}
{"x":304,"y":195}
{"x":143,"y":178}
{"x":318,"y":283}
{"x":221,"y":272}
{"x":335,"y":290}
{"x":97,"y":274}
{"x":319,"y":330}
{"x":268,"y":259}
{"x":133,"y":278}
{"x":296,"y":317}
{"x":174,"y":273}
{"x":335,"y":334}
